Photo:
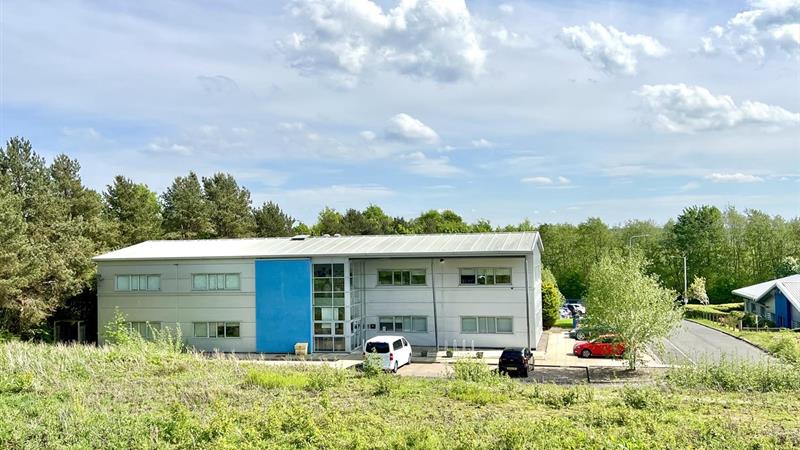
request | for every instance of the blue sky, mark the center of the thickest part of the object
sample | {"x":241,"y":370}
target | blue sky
{"x":498,"y":110}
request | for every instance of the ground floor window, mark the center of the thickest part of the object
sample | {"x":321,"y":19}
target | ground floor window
{"x":329,"y":344}
{"x":216,"y":329}
{"x":405,"y":324}
{"x":487,"y":325}
{"x":146,"y":330}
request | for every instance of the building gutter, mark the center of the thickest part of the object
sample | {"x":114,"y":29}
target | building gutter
{"x":527,"y":302}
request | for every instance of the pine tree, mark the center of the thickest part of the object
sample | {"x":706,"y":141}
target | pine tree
{"x":231,"y":215}
{"x":271,"y":221}
{"x":134,"y":210}
{"x":187,"y":214}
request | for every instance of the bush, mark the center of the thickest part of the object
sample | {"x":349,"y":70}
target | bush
{"x":476,"y":371}
{"x":642,"y":397}
{"x":736,"y":376}
{"x":385,"y":384}
{"x":552,"y":299}
{"x":786,"y":346}
{"x":372,"y":365}
{"x":324,"y":378}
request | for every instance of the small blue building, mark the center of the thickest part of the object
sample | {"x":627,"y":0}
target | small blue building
{"x":776,"y":300}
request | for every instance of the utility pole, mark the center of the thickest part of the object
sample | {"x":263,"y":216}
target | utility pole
{"x":630,"y":242}
{"x":685,"y":280}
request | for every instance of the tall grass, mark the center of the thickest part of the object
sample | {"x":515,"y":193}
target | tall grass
{"x":121,"y":396}
{"x":736,"y":376}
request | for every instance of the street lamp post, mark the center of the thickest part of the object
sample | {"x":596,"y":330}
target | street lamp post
{"x":630,"y":241}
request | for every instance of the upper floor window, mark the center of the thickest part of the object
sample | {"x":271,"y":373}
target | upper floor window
{"x":485,"y":275}
{"x":216,"y":282}
{"x":407,"y":277}
{"x":138,"y":282}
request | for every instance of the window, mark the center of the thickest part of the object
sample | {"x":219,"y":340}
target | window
{"x":407,"y":324}
{"x":216,"y":329}
{"x":397,"y":345}
{"x":486,"y":275}
{"x":138,"y":282}
{"x":405,"y":277}
{"x":329,"y":308}
{"x":216,"y":282}
{"x":146,"y":330}
{"x":487,"y":325}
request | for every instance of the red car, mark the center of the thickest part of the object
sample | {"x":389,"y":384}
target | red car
{"x":605,"y":345}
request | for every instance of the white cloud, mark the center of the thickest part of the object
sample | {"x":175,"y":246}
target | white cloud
{"x":482,"y":143}
{"x":431,"y":167}
{"x":405,"y":128}
{"x":733,"y":178}
{"x":506,"y":8}
{"x":83,"y":133}
{"x":291,"y":126}
{"x":685,"y":109}
{"x":547,"y":181}
{"x":613,"y":51}
{"x":769,"y":26}
{"x":165,"y":146}
{"x":367,"y":135}
{"x":434,"y":39}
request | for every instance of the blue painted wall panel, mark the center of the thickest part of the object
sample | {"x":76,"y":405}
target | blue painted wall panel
{"x":283,"y":304}
{"x":783,"y":310}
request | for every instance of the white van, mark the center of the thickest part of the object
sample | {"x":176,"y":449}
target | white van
{"x":395,"y":351}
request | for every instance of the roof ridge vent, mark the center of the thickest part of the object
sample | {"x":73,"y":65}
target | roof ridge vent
{"x":299,"y":237}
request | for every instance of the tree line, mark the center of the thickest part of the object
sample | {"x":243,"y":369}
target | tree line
{"x":51,"y":225}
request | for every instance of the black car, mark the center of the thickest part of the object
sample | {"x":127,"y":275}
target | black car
{"x":516,"y":361}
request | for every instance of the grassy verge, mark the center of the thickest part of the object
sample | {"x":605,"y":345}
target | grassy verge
{"x":121,"y":397}
{"x":782,"y":344}
{"x":563,"y":323}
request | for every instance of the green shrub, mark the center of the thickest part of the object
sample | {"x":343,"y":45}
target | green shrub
{"x":786,"y":346}
{"x":476,"y":370}
{"x":272,"y":379}
{"x":736,"y":376}
{"x":385,"y":383}
{"x":324,"y":378}
{"x":372,"y":365}
{"x":642,"y":397}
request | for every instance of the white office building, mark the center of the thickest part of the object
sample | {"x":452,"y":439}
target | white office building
{"x":265,"y":295}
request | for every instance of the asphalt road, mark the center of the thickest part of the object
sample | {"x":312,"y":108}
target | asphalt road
{"x":693,"y":343}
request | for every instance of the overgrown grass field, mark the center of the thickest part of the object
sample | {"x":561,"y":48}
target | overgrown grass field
{"x":145,"y":395}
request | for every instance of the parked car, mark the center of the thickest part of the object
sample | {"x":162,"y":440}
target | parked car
{"x":605,"y":345}
{"x":588,"y":332}
{"x":395,"y":351}
{"x":579,"y":308}
{"x":516,"y":360}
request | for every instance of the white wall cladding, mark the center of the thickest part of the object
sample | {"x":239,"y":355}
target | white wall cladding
{"x":454,"y":300}
{"x":176,"y":302}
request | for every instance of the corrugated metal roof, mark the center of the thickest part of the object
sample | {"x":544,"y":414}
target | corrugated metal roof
{"x":790,"y":286}
{"x":473,"y":244}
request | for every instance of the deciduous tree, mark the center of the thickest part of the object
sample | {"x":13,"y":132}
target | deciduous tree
{"x":623,"y":297}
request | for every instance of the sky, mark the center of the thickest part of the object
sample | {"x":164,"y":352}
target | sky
{"x":550,"y":111}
